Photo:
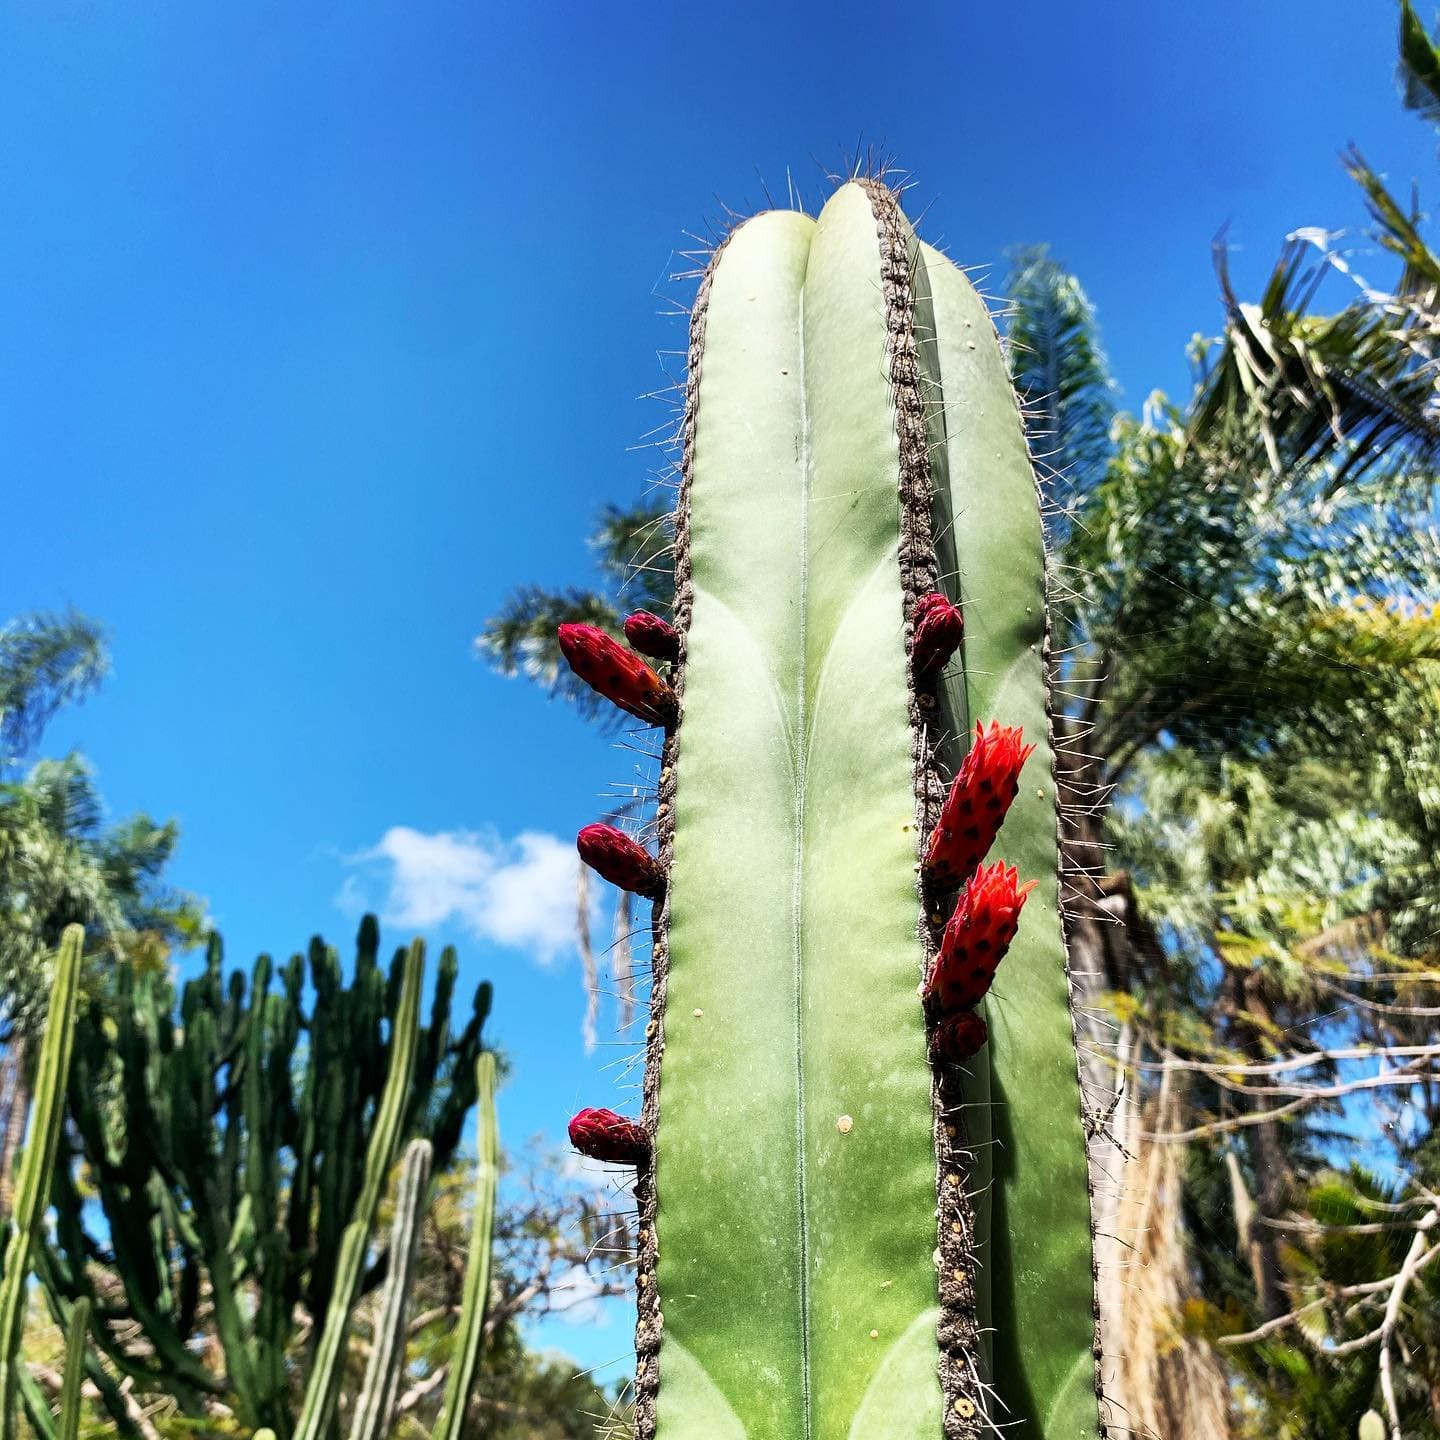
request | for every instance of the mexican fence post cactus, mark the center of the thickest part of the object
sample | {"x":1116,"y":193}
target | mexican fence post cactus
{"x":36,"y":1165}
{"x":375,"y":1405}
{"x":465,"y":1361}
{"x":248,"y":1197}
{"x":74,"y":1373}
{"x":323,"y":1388}
{"x":860,"y":583}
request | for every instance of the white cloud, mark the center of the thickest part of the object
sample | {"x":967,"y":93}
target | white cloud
{"x":519,"y":893}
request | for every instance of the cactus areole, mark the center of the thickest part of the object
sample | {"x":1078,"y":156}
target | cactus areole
{"x":864,"y":1206}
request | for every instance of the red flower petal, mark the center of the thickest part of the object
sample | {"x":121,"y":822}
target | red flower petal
{"x":604,"y":1135}
{"x":988,"y":781}
{"x":652,"y":636}
{"x":977,"y":937}
{"x":618,"y":674}
{"x":615,"y":857}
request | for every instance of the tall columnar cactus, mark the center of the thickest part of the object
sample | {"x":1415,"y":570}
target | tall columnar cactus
{"x":226,"y":1140}
{"x":73,"y":1377}
{"x":855,"y":484}
{"x":323,"y":1387}
{"x":465,"y":1362}
{"x":375,"y":1405}
{"x":36,"y":1166}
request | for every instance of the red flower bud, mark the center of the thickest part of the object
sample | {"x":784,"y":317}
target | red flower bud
{"x":977,"y":937}
{"x":604,"y":1135}
{"x":938,"y":628}
{"x":615,"y":857}
{"x":988,"y":781}
{"x":618,"y":674}
{"x":957,"y":1037}
{"x":652,"y":636}
{"x":924,"y":604}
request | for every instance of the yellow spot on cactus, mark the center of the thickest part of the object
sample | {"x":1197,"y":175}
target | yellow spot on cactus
{"x":845,"y":1124}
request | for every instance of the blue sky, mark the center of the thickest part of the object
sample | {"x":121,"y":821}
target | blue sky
{"x":324,"y":326}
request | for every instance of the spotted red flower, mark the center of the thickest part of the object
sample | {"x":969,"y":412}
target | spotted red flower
{"x":652,"y":636}
{"x":989,"y":779}
{"x":977,"y":937}
{"x":939,"y":626}
{"x":957,"y":1037}
{"x":618,"y":674}
{"x":604,"y":1135}
{"x":615,"y":857}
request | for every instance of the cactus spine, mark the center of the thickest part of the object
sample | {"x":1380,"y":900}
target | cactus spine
{"x":36,"y":1167}
{"x":465,"y":1362}
{"x":854,"y":470}
{"x":375,"y":1405}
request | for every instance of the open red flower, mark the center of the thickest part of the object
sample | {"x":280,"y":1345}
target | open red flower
{"x":939,"y":627}
{"x":615,"y":857}
{"x":977,"y":937}
{"x":652,"y":636}
{"x":987,"y":783}
{"x":957,"y":1037}
{"x":618,"y":674}
{"x":604,"y":1135}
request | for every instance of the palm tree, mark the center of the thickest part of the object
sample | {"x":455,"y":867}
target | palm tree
{"x":46,"y":661}
{"x":59,"y":862}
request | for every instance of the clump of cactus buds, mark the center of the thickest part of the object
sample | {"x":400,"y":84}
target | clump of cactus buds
{"x":615,"y":857}
{"x":939,"y":626}
{"x":977,"y":937}
{"x":618,"y":674}
{"x":604,"y":1135}
{"x":987,"y":783}
{"x":959,"y":1036}
{"x":652,"y":636}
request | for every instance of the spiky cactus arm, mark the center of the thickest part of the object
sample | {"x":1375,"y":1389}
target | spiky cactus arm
{"x":36,"y":1166}
{"x":845,"y":407}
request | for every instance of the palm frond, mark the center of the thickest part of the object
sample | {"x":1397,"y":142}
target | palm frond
{"x":46,"y":661}
{"x":1060,"y":371}
{"x":1419,"y":68}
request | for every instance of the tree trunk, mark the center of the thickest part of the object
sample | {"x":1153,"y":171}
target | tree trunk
{"x":17,"y":1112}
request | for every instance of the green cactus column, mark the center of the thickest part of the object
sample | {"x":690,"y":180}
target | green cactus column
{"x":788,"y":1284}
{"x":36,"y":1166}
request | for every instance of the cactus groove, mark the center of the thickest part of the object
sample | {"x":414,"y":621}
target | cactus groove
{"x":851,"y":444}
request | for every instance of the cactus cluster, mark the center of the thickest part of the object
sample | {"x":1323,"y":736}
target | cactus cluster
{"x":860,"y":585}
{"x":222,"y":1152}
